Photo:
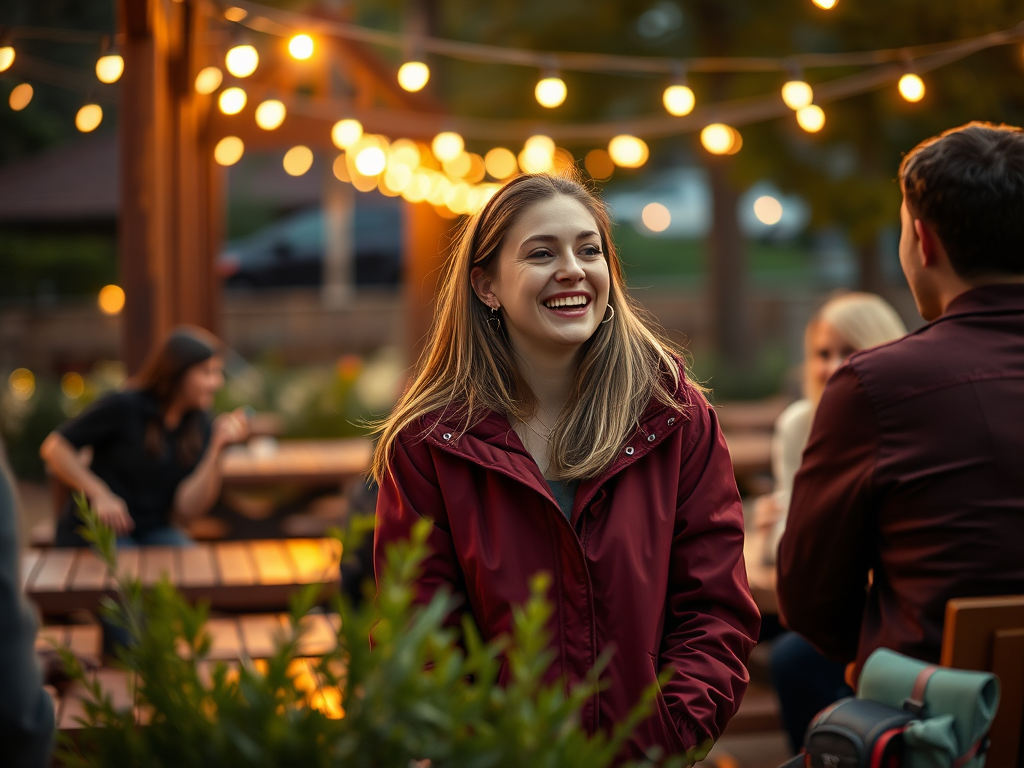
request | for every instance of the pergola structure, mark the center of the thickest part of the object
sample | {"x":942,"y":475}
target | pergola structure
{"x":173,"y":192}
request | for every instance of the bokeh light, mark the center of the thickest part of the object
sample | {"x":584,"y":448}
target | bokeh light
{"x":678,"y":100}
{"x":371,"y":161}
{"x":500,"y":163}
{"x":109,"y":68}
{"x":242,"y":60}
{"x":447,"y":145}
{"x":72,"y":385}
{"x":718,"y":138}
{"x":599,"y":164}
{"x":298,"y":160}
{"x":21,"y":96}
{"x":538,"y":155}
{"x":208,"y":80}
{"x":797,"y":94}
{"x":6,"y":57}
{"x":404,"y":152}
{"x":826,"y":4}
{"x":911,"y":87}
{"x":89,"y":118}
{"x":811,"y":118}
{"x":270,"y":114}
{"x":477,"y":169}
{"x":550,"y":92}
{"x":768,"y":210}
{"x":301,"y":47}
{"x":235,"y":13}
{"x":111,"y":299}
{"x":22,"y":383}
{"x":460,"y":165}
{"x":346,"y":132}
{"x":232,"y":101}
{"x":413,"y":75}
{"x":628,"y":151}
{"x":229,"y":150}
{"x":656,"y":217}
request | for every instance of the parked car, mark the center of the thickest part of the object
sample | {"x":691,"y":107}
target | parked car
{"x":290,"y":251}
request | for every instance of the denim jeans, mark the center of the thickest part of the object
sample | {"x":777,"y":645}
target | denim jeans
{"x":158,"y":537}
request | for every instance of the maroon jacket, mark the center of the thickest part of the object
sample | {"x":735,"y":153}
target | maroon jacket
{"x":651,"y":564}
{"x":915,"y":469}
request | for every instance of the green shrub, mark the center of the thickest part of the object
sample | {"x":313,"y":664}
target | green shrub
{"x":419,"y":695}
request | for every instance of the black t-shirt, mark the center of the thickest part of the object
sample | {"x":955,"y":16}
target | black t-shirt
{"x":115,"y":428}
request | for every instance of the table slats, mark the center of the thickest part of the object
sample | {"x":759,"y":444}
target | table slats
{"x":53,"y":571}
{"x":29,"y":562}
{"x":226,"y":639}
{"x":90,"y":572}
{"x":197,"y":566}
{"x":273,"y":563}
{"x":234,"y":561}
{"x":159,"y":562}
{"x":261,"y":634}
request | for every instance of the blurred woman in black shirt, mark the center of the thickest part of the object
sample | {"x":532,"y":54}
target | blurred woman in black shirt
{"x":155,"y":450}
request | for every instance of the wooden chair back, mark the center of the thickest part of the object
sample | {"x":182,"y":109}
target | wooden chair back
{"x":987,"y":634}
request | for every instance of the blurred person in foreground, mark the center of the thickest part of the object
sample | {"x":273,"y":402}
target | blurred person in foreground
{"x":551,"y":429}
{"x":911,"y":490}
{"x":155,"y":451}
{"x":26,"y":710}
{"x":805,"y":680}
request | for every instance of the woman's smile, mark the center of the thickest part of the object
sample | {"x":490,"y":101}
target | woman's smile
{"x":568,"y":303}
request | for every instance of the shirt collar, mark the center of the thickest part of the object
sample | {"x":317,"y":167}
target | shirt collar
{"x":992,"y":298}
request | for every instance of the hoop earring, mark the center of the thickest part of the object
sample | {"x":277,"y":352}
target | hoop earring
{"x":494,"y":321}
{"x":612,"y":317}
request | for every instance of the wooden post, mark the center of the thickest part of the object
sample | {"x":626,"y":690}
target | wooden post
{"x":428,"y":241}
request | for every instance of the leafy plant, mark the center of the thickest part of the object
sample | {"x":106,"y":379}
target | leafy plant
{"x":419,"y":697}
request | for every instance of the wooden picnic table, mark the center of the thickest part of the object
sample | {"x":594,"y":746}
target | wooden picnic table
{"x":306,"y":462}
{"x":234,"y":575}
{"x":751,"y":452}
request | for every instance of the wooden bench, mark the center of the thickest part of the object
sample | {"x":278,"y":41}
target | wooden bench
{"x":987,"y":633}
{"x":298,"y":462}
{"x":237,"y":575}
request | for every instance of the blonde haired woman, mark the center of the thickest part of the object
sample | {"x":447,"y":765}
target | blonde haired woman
{"x":550,"y":428}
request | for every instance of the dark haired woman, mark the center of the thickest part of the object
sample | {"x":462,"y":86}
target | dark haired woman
{"x":155,"y":452}
{"x":550,"y":427}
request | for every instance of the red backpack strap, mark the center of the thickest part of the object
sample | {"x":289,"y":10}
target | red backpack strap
{"x":915,"y":703}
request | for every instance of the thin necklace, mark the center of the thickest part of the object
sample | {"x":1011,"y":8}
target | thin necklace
{"x":538,"y":434}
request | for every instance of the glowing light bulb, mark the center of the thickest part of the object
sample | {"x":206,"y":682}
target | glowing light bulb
{"x":404,"y":152}
{"x":413,"y":75}
{"x":242,"y":60}
{"x":109,"y":68}
{"x":232,"y":101}
{"x":371,"y":161}
{"x":89,"y":118}
{"x":459,"y":166}
{"x":500,"y":163}
{"x":768,"y":210}
{"x":797,"y":94}
{"x":447,"y":146}
{"x":22,"y":383}
{"x":718,"y":138}
{"x":235,"y":14}
{"x":270,"y":114}
{"x":346,"y":132}
{"x":301,"y":47}
{"x":599,"y":164}
{"x":911,"y":87}
{"x":229,"y":150}
{"x":656,"y":217}
{"x":21,"y":96}
{"x":538,"y":155}
{"x":6,"y":57}
{"x":678,"y":100}
{"x":72,"y":385}
{"x":550,"y":92}
{"x":398,"y":177}
{"x":811,"y":118}
{"x":826,"y":4}
{"x":628,"y":151}
{"x":111,"y":299}
{"x":208,"y":80}
{"x":298,"y":160}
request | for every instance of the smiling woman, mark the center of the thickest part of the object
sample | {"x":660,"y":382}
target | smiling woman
{"x":550,"y":427}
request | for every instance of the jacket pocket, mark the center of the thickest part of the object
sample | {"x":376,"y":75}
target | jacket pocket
{"x":666,"y":734}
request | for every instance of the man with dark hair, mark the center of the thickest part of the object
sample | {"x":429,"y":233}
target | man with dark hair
{"x":911,"y":490}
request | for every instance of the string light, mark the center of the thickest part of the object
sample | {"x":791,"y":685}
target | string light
{"x":500,"y":163}
{"x":301,"y":47}
{"x":628,"y":151}
{"x":413,"y":75}
{"x":109,"y":68}
{"x":242,"y":60}
{"x":72,"y":385}
{"x":797,"y":94}
{"x":460,"y":165}
{"x":89,"y":118}
{"x":911,"y":87}
{"x":768,"y":210}
{"x":111,"y":299}
{"x":720,"y":139}
{"x":298,"y":160}
{"x":270,"y":114}
{"x":235,"y":14}
{"x":404,"y":152}
{"x":232,"y":101}
{"x":827,"y":5}
{"x":656,"y":217}
{"x":346,"y":132}
{"x":678,"y":100}
{"x":21,"y":96}
{"x":447,"y":145}
{"x":477,"y":169}
{"x":208,"y":80}
{"x":538,"y":155}
{"x":228,"y":151}
{"x":811,"y":118}
{"x":599,"y":164}
{"x":6,"y":57}
{"x":550,"y":91}
{"x":371,"y":161}
{"x":22,"y":383}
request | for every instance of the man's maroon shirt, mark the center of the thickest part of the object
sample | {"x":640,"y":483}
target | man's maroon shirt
{"x":915,"y":470}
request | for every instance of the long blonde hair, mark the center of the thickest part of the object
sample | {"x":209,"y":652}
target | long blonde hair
{"x":467,"y":366}
{"x":864,"y":320}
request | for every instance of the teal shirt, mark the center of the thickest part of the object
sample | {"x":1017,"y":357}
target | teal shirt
{"x":565,"y":494}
